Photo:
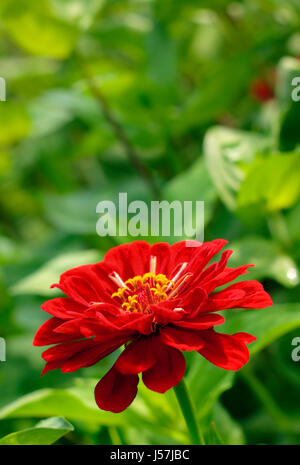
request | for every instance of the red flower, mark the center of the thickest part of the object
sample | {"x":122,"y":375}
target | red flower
{"x":261,"y":90}
{"x":157,"y":300}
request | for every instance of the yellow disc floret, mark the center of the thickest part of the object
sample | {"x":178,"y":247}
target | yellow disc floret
{"x":139,"y":292}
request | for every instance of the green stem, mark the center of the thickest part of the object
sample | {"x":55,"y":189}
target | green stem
{"x":187,"y":409}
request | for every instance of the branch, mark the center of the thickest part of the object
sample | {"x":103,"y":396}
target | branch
{"x":119,"y":132}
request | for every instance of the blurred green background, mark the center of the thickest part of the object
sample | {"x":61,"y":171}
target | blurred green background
{"x":170,"y":99}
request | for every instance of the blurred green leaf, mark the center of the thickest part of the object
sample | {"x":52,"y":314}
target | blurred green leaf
{"x":228,"y":430}
{"x":40,"y":281}
{"x":267,"y":325}
{"x":45,"y":34}
{"x":269,"y":260}
{"x":14,"y":123}
{"x":193,"y":184}
{"x":271,"y":184}
{"x":43,"y":433}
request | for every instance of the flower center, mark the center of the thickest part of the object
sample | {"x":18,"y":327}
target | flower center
{"x":138,"y":293}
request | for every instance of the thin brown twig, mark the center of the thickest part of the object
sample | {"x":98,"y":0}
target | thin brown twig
{"x":119,"y":132}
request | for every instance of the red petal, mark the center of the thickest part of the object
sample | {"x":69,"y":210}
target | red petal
{"x":115,"y":391}
{"x":226,"y":351}
{"x":245,"y":294}
{"x":181,"y":338}
{"x":129,"y":260}
{"x":203,"y":256}
{"x":164,"y":312}
{"x":74,"y":355}
{"x":63,"y":307}
{"x":83,"y":284}
{"x":208,"y":277}
{"x":45,"y":335}
{"x":194,"y":302}
{"x":137,"y":357}
{"x":162,"y":252}
{"x":227,"y":275}
{"x":180,"y":253}
{"x":202,"y":321}
{"x":168,"y":369}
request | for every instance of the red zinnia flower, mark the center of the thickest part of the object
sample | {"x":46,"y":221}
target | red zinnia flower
{"x":157,"y":300}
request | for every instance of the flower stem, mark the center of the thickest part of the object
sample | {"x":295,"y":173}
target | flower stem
{"x":187,"y":409}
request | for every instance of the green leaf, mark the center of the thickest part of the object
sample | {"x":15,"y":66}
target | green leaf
{"x":228,"y":430}
{"x":271,"y":184}
{"x":270,"y":261}
{"x":207,"y":382}
{"x":40,"y":281}
{"x":80,"y":12}
{"x":225,"y":150}
{"x":267,"y":325}
{"x":45,"y":35}
{"x":150,"y":412}
{"x":14,"y":123}
{"x":216,"y":93}
{"x":43,"y":433}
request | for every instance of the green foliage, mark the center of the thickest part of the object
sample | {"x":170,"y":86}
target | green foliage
{"x":43,"y":433}
{"x":92,"y":87}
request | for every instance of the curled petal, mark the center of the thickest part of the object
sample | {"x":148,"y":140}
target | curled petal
{"x":226,"y":351}
{"x":201,"y":322}
{"x":115,"y":391}
{"x":245,"y":294}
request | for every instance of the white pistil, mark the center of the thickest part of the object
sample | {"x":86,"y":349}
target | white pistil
{"x":117,"y":279}
{"x":177,"y":275}
{"x":178,"y":309}
{"x":176,"y":288}
{"x":153,"y":264}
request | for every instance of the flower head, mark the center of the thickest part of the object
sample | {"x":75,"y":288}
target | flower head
{"x":156,"y":300}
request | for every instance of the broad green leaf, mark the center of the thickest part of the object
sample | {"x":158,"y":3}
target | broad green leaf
{"x":149,"y":412}
{"x":52,"y":402}
{"x":269,"y":260}
{"x":40,"y":281}
{"x":225,"y":151}
{"x":271,"y":184}
{"x":43,"y":433}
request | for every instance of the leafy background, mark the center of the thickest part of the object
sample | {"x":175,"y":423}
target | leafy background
{"x":160,"y":99}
